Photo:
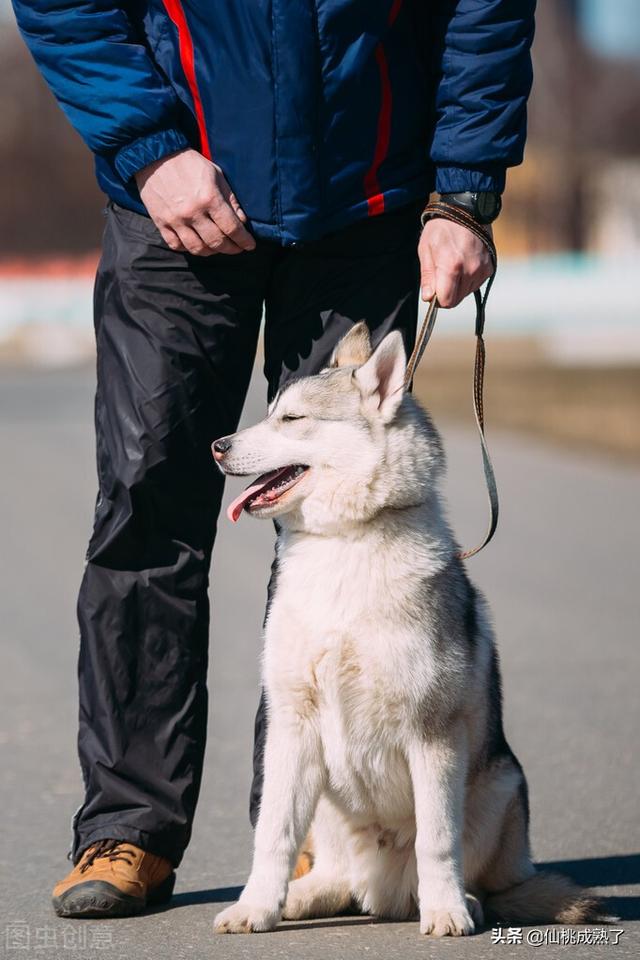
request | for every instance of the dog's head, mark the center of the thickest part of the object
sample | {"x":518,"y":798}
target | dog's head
{"x":338,"y":447}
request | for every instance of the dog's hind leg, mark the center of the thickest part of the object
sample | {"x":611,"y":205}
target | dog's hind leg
{"x":324,"y":891}
{"x":511,"y":862}
{"x":491,"y":794}
{"x":304,"y":863}
{"x":517,"y":893}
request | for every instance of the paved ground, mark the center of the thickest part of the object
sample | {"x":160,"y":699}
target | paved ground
{"x":563,"y":581}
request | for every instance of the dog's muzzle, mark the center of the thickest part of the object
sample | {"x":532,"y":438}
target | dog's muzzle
{"x":221,"y":448}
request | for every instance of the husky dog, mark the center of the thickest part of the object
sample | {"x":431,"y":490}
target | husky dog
{"x":385,"y":717}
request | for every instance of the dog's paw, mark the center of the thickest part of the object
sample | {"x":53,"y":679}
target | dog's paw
{"x":315,"y":896}
{"x":475,"y":909}
{"x":453,"y":921}
{"x":299,"y":904}
{"x":245,"y":918}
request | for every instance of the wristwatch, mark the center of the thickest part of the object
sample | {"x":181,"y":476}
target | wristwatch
{"x":484,"y":207}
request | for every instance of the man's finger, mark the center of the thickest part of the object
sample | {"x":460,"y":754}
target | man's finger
{"x":427,"y":273}
{"x":226,"y":218}
{"x":233,"y":200}
{"x":465,"y":287}
{"x":171,"y":239}
{"x":193,"y":242}
{"x":213,"y":236}
{"x":448,"y":288}
{"x":473,"y":281}
{"x":486,"y":269}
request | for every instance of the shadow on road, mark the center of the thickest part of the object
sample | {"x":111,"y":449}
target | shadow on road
{"x":590,"y":872}
{"x":599,"y":871}
{"x":192,"y":898}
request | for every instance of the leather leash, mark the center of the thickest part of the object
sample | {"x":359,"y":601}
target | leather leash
{"x":446,"y":211}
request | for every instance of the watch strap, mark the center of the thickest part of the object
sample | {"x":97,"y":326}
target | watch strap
{"x":472,"y":203}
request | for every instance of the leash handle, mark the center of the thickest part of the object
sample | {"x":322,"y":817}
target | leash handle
{"x":446,"y":211}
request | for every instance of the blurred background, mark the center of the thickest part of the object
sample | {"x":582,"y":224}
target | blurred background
{"x":564,"y":323}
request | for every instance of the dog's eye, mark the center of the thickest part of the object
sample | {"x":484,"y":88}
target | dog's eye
{"x":286,"y":417}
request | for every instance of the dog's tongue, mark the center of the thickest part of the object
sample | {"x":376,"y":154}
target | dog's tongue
{"x":236,"y":507}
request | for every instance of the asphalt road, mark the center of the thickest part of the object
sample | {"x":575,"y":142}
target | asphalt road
{"x":562,"y":577}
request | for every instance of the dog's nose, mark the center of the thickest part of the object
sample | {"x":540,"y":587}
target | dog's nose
{"x":220,"y":447}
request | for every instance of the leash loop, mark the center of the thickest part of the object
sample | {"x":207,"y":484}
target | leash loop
{"x":446,"y":211}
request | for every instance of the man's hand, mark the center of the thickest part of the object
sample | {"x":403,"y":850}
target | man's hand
{"x":453,"y":262}
{"x":192,"y":205}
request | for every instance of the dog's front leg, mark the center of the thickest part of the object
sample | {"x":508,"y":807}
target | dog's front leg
{"x":293,"y":775}
{"x":438,"y":771}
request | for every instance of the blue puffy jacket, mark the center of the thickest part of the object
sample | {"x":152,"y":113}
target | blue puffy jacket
{"x":319,"y":112}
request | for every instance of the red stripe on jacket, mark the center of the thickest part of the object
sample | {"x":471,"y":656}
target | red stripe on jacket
{"x":373,"y":193}
{"x":185,"y":43}
{"x":375,"y":198}
{"x":395,"y":10}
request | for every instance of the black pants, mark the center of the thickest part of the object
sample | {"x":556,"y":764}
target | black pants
{"x":176,"y":340}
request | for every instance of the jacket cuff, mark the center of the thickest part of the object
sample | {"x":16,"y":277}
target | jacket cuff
{"x":489,"y":179}
{"x":138,"y":154}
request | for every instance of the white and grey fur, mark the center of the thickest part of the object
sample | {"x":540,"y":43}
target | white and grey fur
{"x":385,"y":718}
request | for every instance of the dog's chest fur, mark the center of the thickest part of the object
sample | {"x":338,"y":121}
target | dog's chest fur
{"x":348,"y":643}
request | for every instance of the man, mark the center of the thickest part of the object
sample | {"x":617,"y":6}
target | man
{"x":256,"y":153}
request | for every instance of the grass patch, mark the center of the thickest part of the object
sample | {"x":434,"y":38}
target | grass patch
{"x":593,"y":408}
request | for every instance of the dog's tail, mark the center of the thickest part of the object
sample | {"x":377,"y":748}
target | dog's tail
{"x":545,"y":898}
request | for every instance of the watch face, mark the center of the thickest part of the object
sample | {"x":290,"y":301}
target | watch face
{"x":488,"y":206}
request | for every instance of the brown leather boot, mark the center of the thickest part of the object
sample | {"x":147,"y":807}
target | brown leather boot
{"x":114,"y":879}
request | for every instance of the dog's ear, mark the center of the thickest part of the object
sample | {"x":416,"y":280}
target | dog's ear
{"x":354,"y":349}
{"x":381,"y":379}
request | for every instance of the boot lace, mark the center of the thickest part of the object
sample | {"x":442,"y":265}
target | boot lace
{"x":108,"y":850}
